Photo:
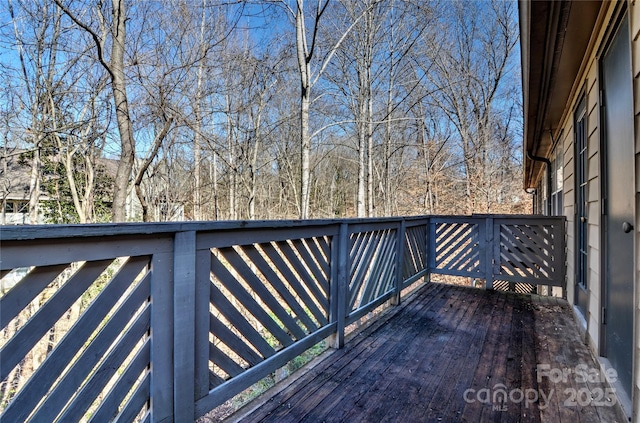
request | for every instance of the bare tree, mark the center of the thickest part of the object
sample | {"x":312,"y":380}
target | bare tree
{"x":61,"y":94}
{"x":401,"y":107}
{"x":468,"y":77}
{"x":79,"y":147}
{"x":214,"y":30}
{"x":37,"y":51}
{"x":308,"y":23}
{"x":114,"y":29}
{"x":197,"y":112}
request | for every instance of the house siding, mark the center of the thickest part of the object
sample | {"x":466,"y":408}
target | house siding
{"x":634,"y":15}
{"x":593,"y":198}
{"x":588,"y":83}
{"x":569,"y":205}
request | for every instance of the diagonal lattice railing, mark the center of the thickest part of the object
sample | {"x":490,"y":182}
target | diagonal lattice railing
{"x":529,"y":252}
{"x":372,"y":255}
{"x":510,"y":249}
{"x":415,"y":252}
{"x":76,"y":329}
{"x":273,"y":298}
{"x":457,"y":247}
{"x":154,"y":322}
{"x":263,"y":298}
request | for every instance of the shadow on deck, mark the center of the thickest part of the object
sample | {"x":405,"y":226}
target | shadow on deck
{"x":452,"y":353}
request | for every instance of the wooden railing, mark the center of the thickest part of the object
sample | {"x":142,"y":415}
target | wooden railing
{"x":164,"y":322}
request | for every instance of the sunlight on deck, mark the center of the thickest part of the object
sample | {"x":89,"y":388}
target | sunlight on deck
{"x":453,"y":354}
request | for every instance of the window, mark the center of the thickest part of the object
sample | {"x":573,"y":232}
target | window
{"x":557,"y":180}
{"x":13,"y":206}
{"x":580,"y":154}
{"x":552,"y":200}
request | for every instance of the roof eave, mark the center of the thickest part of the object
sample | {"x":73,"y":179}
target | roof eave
{"x":552,"y":53}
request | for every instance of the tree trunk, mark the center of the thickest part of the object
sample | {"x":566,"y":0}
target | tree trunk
{"x":305,"y":100}
{"x":362,"y":157}
{"x":386,"y":176}
{"x":305,"y":167}
{"x":34,"y":185}
{"x":213,"y":172}
{"x":144,"y":166}
{"x":254,"y":161}
{"x":77,"y":202}
{"x":370,"y":195}
{"x":123,"y":118}
{"x":197,"y":136}
{"x":231,"y":161}
{"x":369,"y":28}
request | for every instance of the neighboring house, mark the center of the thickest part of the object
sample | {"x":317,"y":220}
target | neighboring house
{"x":16,"y":210}
{"x":15,"y":183}
{"x":581,"y":82}
{"x":14,"y":191}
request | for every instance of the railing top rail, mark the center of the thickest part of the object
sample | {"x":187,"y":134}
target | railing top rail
{"x":27,"y":232}
{"x":519,"y":216}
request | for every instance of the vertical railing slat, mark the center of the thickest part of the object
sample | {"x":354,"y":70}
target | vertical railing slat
{"x":202,"y":294}
{"x":491,"y":259}
{"x":400,"y":235}
{"x":184,"y":294}
{"x":342,"y":287}
{"x":334,"y":288}
{"x":560,"y":251}
{"x":427,"y":249}
{"x":162,"y":337}
{"x":432,"y":241}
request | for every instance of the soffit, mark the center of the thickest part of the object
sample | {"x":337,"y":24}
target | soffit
{"x":554,"y":36}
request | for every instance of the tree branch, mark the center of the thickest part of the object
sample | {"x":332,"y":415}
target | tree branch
{"x":91,"y":32}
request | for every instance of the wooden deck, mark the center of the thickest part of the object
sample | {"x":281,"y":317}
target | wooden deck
{"x":449,"y":354}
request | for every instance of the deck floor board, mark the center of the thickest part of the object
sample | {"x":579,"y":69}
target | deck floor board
{"x":443,"y":356}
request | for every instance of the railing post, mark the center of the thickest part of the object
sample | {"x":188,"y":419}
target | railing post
{"x":340,"y":286}
{"x":490,"y":252}
{"x":560,"y":250}
{"x":427,"y":249}
{"x":184,"y":318}
{"x":400,"y":237}
{"x":431,"y":249}
{"x":564,"y":257}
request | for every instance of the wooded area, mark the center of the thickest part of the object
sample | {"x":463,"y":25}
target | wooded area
{"x":261,"y":109}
